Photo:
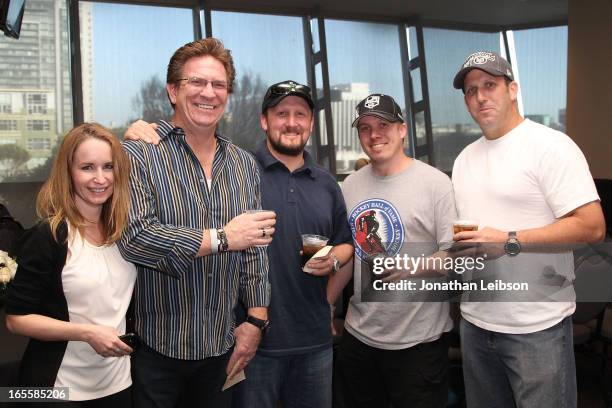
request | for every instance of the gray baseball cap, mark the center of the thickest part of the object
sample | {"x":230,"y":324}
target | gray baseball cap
{"x":486,"y":61}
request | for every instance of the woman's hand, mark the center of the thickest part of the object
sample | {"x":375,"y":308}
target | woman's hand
{"x":105,"y":341}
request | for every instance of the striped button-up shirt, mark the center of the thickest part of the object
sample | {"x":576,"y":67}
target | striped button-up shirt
{"x":183,"y":303}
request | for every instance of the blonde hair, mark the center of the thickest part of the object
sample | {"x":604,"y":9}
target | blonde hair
{"x":55,"y":201}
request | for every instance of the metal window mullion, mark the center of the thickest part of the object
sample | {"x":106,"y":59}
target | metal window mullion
{"x":197,"y":25}
{"x":74,"y":29}
{"x":421,"y":151}
{"x":419,"y":106}
{"x":408,"y":89}
{"x":324,"y":155}
{"x":506,"y":46}
{"x":425,"y":93}
{"x":207,"y":19}
{"x":510,"y":47}
{"x":58,"y":72}
{"x":330,"y":154}
{"x":312,"y":82}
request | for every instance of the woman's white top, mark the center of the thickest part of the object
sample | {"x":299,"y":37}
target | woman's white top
{"x":98,"y":285}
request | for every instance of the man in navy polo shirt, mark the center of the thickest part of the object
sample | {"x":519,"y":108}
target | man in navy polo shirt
{"x":293,"y":363}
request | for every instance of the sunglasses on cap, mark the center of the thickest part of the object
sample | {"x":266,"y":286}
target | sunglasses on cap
{"x":277,"y":92}
{"x":285,"y":88}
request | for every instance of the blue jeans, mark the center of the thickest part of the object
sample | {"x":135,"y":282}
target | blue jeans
{"x":297,"y":381}
{"x":519,"y":370}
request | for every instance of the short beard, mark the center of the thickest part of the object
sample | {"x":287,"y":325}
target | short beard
{"x":286,"y":150}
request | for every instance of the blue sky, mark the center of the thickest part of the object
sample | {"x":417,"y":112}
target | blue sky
{"x":132,"y":43}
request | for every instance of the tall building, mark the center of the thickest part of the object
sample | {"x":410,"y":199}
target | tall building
{"x":35,"y":84}
{"x":344,"y":99}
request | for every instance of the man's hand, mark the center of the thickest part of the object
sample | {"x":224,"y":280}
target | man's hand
{"x":486,"y":242}
{"x":141,"y":130}
{"x":486,"y":234}
{"x":247,"y":339}
{"x":321,"y":266}
{"x":247,"y":230}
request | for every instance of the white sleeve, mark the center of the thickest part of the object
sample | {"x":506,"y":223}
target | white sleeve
{"x":564,"y":177}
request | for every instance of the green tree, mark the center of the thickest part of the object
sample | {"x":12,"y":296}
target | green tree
{"x":241,"y":122}
{"x":13,"y":159}
{"x":151,"y":102}
{"x":38,"y":173}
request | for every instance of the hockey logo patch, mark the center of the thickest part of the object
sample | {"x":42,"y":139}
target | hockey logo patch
{"x":372,"y":101}
{"x":377,"y":228}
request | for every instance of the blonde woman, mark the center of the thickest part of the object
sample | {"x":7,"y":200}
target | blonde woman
{"x":72,"y":287}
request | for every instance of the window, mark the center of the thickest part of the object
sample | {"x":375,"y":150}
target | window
{"x":38,"y":144}
{"x":262,"y":57}
{"x":452,"y":126}
{"x":125,"y":51}
{"x":37,"y":125}
{"x":8,"y":124}
{"x":541,"y":63}
{"x":5,"y":103}
{"x":355,"y":72}
{"x":33,"y":83}
{"x":37,"y":103}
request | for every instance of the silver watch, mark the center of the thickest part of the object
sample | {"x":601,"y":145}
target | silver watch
{"x":336,"y":265}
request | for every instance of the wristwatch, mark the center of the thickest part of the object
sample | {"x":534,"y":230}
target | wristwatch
{"x":261,"y":324}
{"x":512,"y":246}
{"x":336,"y":265}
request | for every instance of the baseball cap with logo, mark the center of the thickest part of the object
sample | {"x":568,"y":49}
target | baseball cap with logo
{"x":379,"y":105}
{"x":486,"y":61}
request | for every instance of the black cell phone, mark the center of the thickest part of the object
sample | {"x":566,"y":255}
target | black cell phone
{"x":131,"y":339}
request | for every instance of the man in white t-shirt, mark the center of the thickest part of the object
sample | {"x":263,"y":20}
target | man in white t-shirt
{"x":526,"y":184}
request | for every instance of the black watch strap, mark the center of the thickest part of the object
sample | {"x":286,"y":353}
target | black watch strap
{"x":261,"y":324}
{"x":512,"y":246}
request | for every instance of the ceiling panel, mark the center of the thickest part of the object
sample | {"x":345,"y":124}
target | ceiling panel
{"x":491,"y":14}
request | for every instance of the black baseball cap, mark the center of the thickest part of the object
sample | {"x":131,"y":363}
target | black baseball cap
{"x":281,"y":90}
{"x":486,"y":61}
{"x":379,"y":105}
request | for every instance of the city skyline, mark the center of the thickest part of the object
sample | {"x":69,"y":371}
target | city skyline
{"x":121,"y":50}
{"x":346,"y":64}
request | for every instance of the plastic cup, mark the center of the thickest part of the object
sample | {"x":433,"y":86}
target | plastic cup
{"x":465,"y":225}
{"x":311,"y":244}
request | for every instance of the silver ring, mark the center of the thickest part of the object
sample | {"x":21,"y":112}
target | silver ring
{"x":263,"y":232}
{"x":118,"y":351}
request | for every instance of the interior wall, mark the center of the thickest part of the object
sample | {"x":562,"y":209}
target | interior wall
{"x":589,"y":82}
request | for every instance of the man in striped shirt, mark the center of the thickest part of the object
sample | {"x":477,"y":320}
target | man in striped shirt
{"x":293,"y":364}
{"x":196,"y":250}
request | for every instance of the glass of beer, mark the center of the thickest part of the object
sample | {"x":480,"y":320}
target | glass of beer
{"x":311,"y":244}
{"x":464,"y":225}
